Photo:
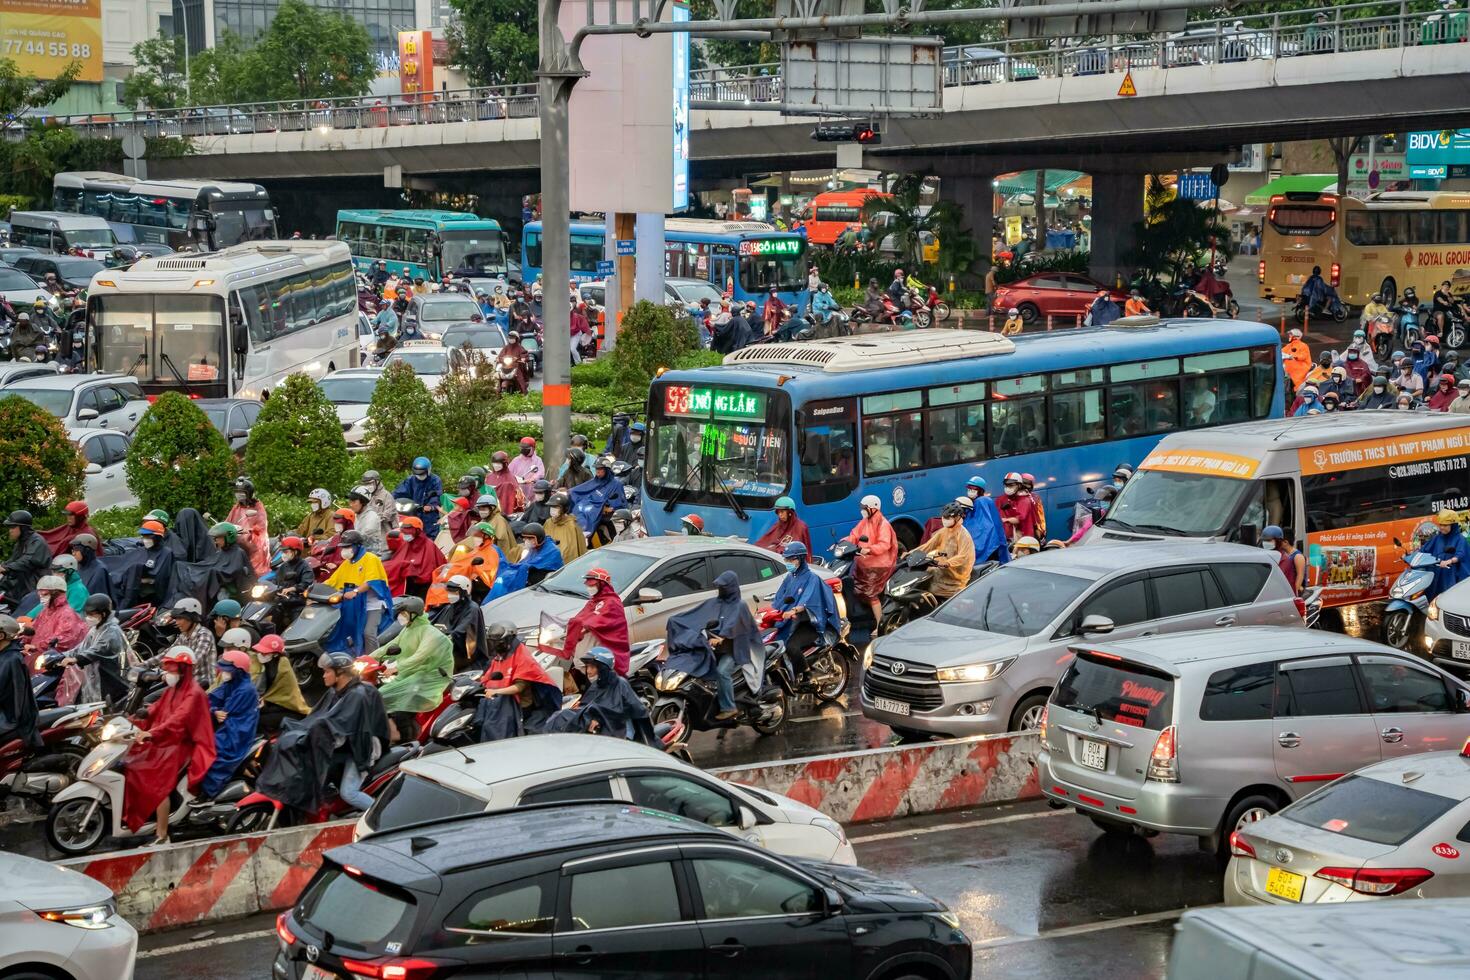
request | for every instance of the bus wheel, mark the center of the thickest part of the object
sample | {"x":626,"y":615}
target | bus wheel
{"x":1390,"y":290}
{"x":908,"y":534}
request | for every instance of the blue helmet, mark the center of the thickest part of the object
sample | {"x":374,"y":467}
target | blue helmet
{"x":638,"y":427}
{"x":794,"y":549}
{"x":601,"y":656}
{"x":785,"y":503}
{"x":422,"y":463}
{"x":977,"y":482}
{"x":1273,"y":532}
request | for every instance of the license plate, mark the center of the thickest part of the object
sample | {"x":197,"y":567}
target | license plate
{"x":1285,"y":884}
{"x":1460,"y":650}
{"x":897,"y":707}
{"x":1296,"y":280}
{"x":1094,"y":754}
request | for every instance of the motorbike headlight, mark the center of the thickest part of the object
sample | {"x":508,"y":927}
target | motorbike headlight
{"x":969,"y":673}
{"x":1397,"y":592}
{"x":94,"y":768}
{"x":458,"y":691}
{"x":901,"y":589}
{"x":670,"y":681}
{"x":1433,"y":611}
{"x":40,"y":664}
{"x":116,"y":728}
{"x":259,"y":591}
{"x":457,"y":725}
{"x":87,"y":917}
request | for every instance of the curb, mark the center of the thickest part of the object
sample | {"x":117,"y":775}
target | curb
{"x":230,"y":877}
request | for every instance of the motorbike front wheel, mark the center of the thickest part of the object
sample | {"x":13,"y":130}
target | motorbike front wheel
{"x":71,"y":831}
{"x":833,"y":668}
{"x":922,"y":319}
{"x":1454,"y":335}
{"x":252,"y":818}
{"x":670,"y":712}
{"x":1398,"y":628}
{"x":941,"y":311}
{"x":1233,"y":309}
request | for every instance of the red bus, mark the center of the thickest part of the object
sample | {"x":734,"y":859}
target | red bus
{"x":834,"y":212}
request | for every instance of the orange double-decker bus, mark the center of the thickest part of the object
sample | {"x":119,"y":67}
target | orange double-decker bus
{"x":834,"y":212}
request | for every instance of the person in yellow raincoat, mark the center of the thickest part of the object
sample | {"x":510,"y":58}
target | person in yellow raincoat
{"x":479,"y":545}
{"x":563,"y":528}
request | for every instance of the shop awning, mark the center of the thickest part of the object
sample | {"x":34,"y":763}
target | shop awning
{"x":1291,"y":182}
{"x":1025,"y":181}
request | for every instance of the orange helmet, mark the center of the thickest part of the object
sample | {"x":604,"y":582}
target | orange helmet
{"x":411,"y":522}
{"x":597,"y":575}
{"x":346,"y":516}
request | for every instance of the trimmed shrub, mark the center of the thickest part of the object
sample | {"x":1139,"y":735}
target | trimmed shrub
{"x":296,"y":444}
{"x":469,"y":403}
{"x":40,"y":468}
{"x":650,"y":338}
{"x":178,"y":459}
{"x":403,"y":420}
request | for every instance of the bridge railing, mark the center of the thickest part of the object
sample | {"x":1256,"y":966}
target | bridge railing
{"x":1328,"y":30}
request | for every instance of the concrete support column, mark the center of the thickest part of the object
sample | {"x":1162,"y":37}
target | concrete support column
{"x":1117,"y":205}
{"x":649,"y":233}
{"x":975,"y":195}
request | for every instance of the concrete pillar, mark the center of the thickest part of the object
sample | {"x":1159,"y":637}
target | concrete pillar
{"x":1117,"y":205}
{"x":649,"y":233}
{"x":975,"y":195}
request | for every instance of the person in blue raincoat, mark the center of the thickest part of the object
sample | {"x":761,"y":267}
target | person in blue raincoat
{"x":805,"y":601}
{"x":234,"y":707}
{"x":539,"y":558}
{"x":424,"y":488}
{"x":984,"y":523}
{"x":1451,"y":550}
{"x":1103,"y":310}
{"x":588,"y":498}
{"x":734,"y":641}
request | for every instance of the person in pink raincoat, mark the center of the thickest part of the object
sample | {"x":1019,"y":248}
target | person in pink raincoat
{"x":249,"y":516}
{"x":877,"y":555}
{"x":527,"y":468}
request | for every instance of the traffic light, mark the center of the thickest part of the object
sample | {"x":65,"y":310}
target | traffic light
{"x":846,"y":133}
{"x":867,"y":134}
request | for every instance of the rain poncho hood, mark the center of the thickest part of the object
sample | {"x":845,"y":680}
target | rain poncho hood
{"x":58,"y":539}
{"x":987,"y":531}
{"x":809,"y":591}
{"x":588,"y":499}
{"x":736,"y":625}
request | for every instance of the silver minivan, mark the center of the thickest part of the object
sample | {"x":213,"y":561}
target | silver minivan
{"x":985,"y":661}
{"x":1205,"y":733}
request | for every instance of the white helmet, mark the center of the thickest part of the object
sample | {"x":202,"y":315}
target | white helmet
{"x":237,"y":638}
{"x":51,"y":583}
{"x":871,"y":502}
{"x":460,"y":582}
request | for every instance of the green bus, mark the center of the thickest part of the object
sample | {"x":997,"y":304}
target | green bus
{"x":427,"y":243}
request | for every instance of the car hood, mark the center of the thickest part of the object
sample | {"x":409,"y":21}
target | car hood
{"x":1455,"y":599}
{"x":867,"y":891}
{"x":524,"y":608}
{"x":928,"y":642}
{"x":38,"y":885}
{"x":351,"y":413}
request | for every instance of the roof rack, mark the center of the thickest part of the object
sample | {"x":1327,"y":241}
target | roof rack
{"x":877,"y":351}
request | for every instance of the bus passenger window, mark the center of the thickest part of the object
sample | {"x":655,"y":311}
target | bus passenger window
{"x":1265,"y":365}
{"x":1077,"y":417}
{"x":1143,"y":407}
{"x":416,"y":245}
{"x":956,"y":435}
{"x":892,"y":443}
{"x":393,"y":243}
{"x":828,"y":462}
{"x":1017,"y":426}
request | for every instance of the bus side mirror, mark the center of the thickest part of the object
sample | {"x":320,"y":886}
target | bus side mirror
{"x":1250,"y":535}
{"x":239,"y":339}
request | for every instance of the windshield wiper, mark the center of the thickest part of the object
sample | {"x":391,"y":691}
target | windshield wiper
{"x":168,"y":362}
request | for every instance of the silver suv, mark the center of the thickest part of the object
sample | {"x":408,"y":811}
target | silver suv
{"x":986,"y":660}
{"x":1205,"y":733}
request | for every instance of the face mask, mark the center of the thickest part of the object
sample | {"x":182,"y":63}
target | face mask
{"x":485,"y":512}
{"x":527,"y":450}
{"x":947,"y":521}
{"x":346,"y":553}
{"x":171,"y":680}
{"x":315,"y":506}
{"x":1012,"y":489}
{"x":408,"y":538}
{"x":530,"y":544}
{"x":340,"y":528}
{"x":635,"y":439}
{"x":453,"y":595}
{"x":497,"y":467}
{"x":792,"y":566}
{"x":1269,"y":545}
{"x":405,"y":619}
{"x":972,"y":493}
{"x":266,"y":658}
{"x":557,"y":511}
{"x":150,"y":541}
{"x":225,"y":676}
{"x":1378,"y":388}
{"x":421,"y":476}
{"x":1352,"y":355}
{"x":95,"y":620}
{"x":473,"y":543}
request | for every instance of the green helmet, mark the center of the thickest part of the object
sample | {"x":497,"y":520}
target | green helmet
{"x":160,"y":515}
{"x":225,"y":530}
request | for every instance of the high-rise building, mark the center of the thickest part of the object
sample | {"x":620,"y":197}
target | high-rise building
{"x":203,"y":21}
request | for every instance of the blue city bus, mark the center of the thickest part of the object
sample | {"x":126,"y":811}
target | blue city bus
{"x":911,"y":416}
{"x":427,"y":243}
{"x":745,"y":257}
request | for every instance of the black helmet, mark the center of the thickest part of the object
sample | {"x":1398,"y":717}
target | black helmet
{"x":558,"y":499}
{"x":98,"y":603}
{"x":244,"y":486}
{"x":624,"y":515}
{"x":410,"y":604}
{"x":951,"y":510}
{"x":501,"y":637}
{"x":541,"y":486}
{"x":534,"y":530}
{"x":18,"y":518}
{"x":469,"y":484}
{"x":352,"y":538}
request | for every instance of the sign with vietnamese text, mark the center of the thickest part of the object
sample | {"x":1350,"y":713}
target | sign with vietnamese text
{"x":681,"y":110}
{"x":627,"y":246}
{"x":774,"y":247}
{"x":1202,"y":463}
{"x":416,"y":63}
{"x":605,"y":267}
{"x":1413,"y":453}
{"x":43,"y":37}
{"x":1196,"y":186}
{"x":685,"y":401}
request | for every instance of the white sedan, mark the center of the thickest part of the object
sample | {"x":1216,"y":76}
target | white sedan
{"x":430,"y":360}
{"x":106,"y":452}
{"x":55,"y":922}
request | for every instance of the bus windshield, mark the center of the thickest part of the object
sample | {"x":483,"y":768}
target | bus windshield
{"x":586,"y":252}
{"x":243,"y":222}
{"x":763,"y":268}
{"x":699,"y":456}
{"x":164,"y":338}
{"x":472,"y":253}
{"x":90,"y":238}
{"x":1184,"y":504}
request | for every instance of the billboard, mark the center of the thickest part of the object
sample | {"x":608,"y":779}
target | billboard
{"x":44,"y":36}
{"x":681,"y":111}
{"x":1431,"y":154}
{"x":416,"y":63}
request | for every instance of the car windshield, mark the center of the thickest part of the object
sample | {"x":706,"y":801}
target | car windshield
{"x":15,"y":279}
{"x":1370,"y":809}
{"x":357,"y":914}
{"x":772,"y":264}
{"x":449,"y":308}
{"x":477,"y":337}
{"x":693,"y":292}
{"x":1184,"y":504}
{"x":348,"y":391}
{"x":77,"y":269}
{"x":57,"y":401}
{"x":423,"y":362}
{"x":171,"y":339}
{"x":624,"y":566}
{"x":1012,"y":600}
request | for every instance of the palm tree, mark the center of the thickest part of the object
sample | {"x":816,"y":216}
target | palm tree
{"x":902,"y":217}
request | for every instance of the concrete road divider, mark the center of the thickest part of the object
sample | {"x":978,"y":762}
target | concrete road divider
{"x":225,"y":878}
{"x":904,"y":780}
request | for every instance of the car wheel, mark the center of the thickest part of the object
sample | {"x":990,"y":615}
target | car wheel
{"x":1030,"y":313}
{"x":1245,"y":812}
{"x":1027,"y":716}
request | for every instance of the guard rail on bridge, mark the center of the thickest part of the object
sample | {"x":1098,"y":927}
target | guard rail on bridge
{"x":1325,"y":31}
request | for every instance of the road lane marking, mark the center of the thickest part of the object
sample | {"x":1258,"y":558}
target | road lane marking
{"x":823,"y":717}
{"x":204,"y":944}
{"x":1089,"y":927}
{"x":918,"y":831}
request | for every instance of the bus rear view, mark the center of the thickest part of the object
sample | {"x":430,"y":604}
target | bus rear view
{"x":1300,"y":234}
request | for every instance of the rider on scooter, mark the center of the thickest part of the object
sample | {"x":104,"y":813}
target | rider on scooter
{"x":806,"y":603}
{"x":1451,"y":551}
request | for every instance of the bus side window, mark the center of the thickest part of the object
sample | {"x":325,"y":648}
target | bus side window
{"x":393,"y":239}
{"x":1272,"y":502}
{"x":1017,"y":426}
{"x":416,"y":245}
{"x":828,"y":461}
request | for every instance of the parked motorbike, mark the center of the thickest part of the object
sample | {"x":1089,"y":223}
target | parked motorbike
{"x":693,"y":702}
{"x":1408,"y":599}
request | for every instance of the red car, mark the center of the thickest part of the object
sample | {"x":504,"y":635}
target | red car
{"x":1060,"y":294}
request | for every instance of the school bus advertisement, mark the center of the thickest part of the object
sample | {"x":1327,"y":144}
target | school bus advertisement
{"x":44,"y":36}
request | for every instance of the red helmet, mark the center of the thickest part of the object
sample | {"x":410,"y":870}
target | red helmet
{"x":293,"y":542}
{"x":237,"y":659}
{"x":597,"y":575}
{"x":528,"y":441}
{"x":695,"y":521}
{"x":270,"y":644}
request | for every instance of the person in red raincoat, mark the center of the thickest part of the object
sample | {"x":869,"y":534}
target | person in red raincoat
{"x":502,"y":482}
{"x":414,"y":559}
{"x":176,"y":735}
{"x":877,"y":556}
{"x":249,"y":516}
{"x":1018,"y":510}
{"x":58,"y":539}
{"x":461,"y":519}
{"x":57,"y":620}
{"x":604,"y":618}
{"x":788,"y":528}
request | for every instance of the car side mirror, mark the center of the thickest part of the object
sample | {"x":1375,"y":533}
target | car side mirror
{"x":239,"y":339}
{"x":747,"y":818}
{"x":833,"y":900}
{"x":86,"y":415}
{"x":647,"y":596}
{"x":238,"y":434}
{"x":93,"y":469}
{"x":1250,"y":535}
{"x":1095,"y":624}
{"x":1462,"y":700}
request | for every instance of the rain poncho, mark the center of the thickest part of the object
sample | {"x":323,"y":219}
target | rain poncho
{"x":28,"y":561}
{"x":514,"y":576}
{"x":276,"y":684}
{"x":58,"y":539}
{"x":17,"y":700}
{"x":505,"y":538}
{"x":507,"y":490}
{"x":872,"y":571}
{"x":425,"y":493}
{"x":539,"y":700}
{"x":102,"y":649}
{"x":570,"y":539}
{"x":317,"y":525}
{"x":987,"y":531}
{"x":463,"y":563}
{"x":364,"y":569}
{"x":227,"y":571}
{"x":606,"y":621}
{"x":782,"y":533}
{"x":527,"y":470}
{"x":807,"y":590}
{"x":954,"y":554}
{"x":1448,"y":543}
{"x":736,"y":627}
{"x":612,"y":703}
{"x":425,"y":663}
{"x":351,"y":721}
{"x":58,"y":622}
{"x":142,"y":575}
{"x":463,"y":621}
{"x":588,"y":499}
{"x":411,"y":561}
{"x":234,"y":736}
{"x":254,"y":534}
{"x":95,"y":575}
{"x":183,"y":736}
{"x":190,"y":539}
{"x":76,"y":595}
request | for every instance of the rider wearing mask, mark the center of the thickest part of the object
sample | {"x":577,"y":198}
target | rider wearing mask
{"x":629,"y":451}
{"x":1296,"y":358}
{"x":380,"y":500}
{"x":59,"y":538}
{"x":488,"y":509}
{"x":538,"y":507}
{"x":1444,"y":394}
{"x":1405,"y":380}
{"x":877,"y":555}
{"x":294,"y":575}
{"x":147,"y":578}
{"x":514,"y":673}
{"x":29,"y":557}
{"x":248,"y":514}
{"x":95,"y":576}
{"x":602,"y":618}
{"x":519,"y":357}
{"x":76,"y":590}
{"x":1307,"y":401}
{"x":423,"y":487}
{"x":175,"y":735}
{"x":1378,"y":396}
{"x":1359,"y":370}
{"x":609,"y":705}
{"x":57,"y":623}
{"x":1461,"y":404}
{"x":1293,"y":563}
{"x":527,"y":468}
{"x":824,"y":304}
{"x":806,"y":603}
{"x":575,"y":472}
{"x":363,"y":582}
{"x":317,"y":524}
{"x":604,"y":492}
{"x":1018,"y":509}
{"x":539,"y":558}
{"x":953,"y":552}
{"x":501,"y":482}
{"x":563,"y":528}
{"x":1373,"y":309}
{"x":734,"y":640}
{"x":368,"y":523}
{"x":226,"y":616}
{"x":421,"y":664}
{"x":1450,"y":549}
{"x":101,"y":650}
{"x":235,"y":708}
{"x":984,"y":523}
{"x":1014,"y":323}
{"x":787,"y":528}
{"x":18,"y":709}
{"x":276,"y":685}
{"x":460,"y":618}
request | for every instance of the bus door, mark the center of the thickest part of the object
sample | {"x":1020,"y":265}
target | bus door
{"x":722,"y":271}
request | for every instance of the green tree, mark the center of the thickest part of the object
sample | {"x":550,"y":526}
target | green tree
{"x":296,"y":444}
{"x":1175,"y":231}
{"x":403,"y":420}
{"x":311,"y":53}
{"x":178,"y":459}
{"x":19,"y":93}
{"x":40,"y":468}
{"x":158,"y":78}
{"x":494,"y":40}
{"x":903,"y":217}
{"x":650,"y":338}
{"x":469,"y":402}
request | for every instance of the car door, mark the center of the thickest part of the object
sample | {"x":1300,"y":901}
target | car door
{"x":1189,"y":598}
{"x":684,"y":583}
{"x":1322,"y":727}
{"x":1079,"y":294}
{"x":1413,"y":707}
{"x":507,"y":926}
{"x":95,"y":453}
{"x":625,"y":917}
{"x":237,"y":430}
{"x":685,"y":796}
{"x":759,"y":575}
{"x":111,"y":485}
{"x":114,"y":410}
{"x":762,"y":919}
{"x":1125,"y":600}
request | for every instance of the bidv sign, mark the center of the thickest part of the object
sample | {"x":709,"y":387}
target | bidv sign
{"x":1444,"y":148}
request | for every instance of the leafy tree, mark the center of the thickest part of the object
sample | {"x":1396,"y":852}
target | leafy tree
{"x":158,"y":78}
{"x":1343,"y":148}
{"x":650,"y":338}
{"x":403,"y":420}
{"x":470,"y":402}
{"x":311,"y":53}
{"x":39,"y":467}
{"x":1175,"y":231}
{"x":178,"y":459}
{"x":20,"y":93}
{"x":296,"y":444}
{"x":495,"y":40}
{"x":906,"y":220}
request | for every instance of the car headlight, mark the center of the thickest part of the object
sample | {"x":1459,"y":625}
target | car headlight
{"x":1433,"y":611}
{"x":88,"y":917}
{"x":974,"y":672}
{"x":868,"y":655}
{"x":832,"y":827}
{"x":948,"y":918}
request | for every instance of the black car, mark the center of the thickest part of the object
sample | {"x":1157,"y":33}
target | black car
{"x":233,"y":417}
{"x":584,"y":890}
{"x":73,"y":271}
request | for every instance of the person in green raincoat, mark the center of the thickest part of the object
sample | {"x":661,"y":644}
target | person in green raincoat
{"x":422,"y":659}
{"x":76,"y":591}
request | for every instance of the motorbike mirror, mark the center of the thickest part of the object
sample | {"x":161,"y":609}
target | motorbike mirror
{"x":747,"y":818}
{"x":477,"y":561}
{"x":1095,"y":624}
{"x":1250,"y":535}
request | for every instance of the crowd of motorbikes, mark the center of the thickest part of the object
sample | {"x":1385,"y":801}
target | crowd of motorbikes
{"x":921,"y":307}
{"x":58,"y":327}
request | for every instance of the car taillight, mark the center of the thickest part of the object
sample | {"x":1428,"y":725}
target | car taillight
{"x":1377,"y":881}
{"x":1163,"y":765}
{"x":397,"y":968}
{"x":1301,"y":607}
{"x":1261,"y":271}
{"x":283,"y":931}
{"x":1041,"y":726}
{"x":1336,"y":273}
{"x":1240,"y":848}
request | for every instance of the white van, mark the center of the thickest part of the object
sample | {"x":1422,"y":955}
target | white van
{"x":56,"y":231}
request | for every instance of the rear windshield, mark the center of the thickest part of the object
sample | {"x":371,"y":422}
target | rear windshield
{"x":1369,"y":809}
{"x":412,"y":799}
{"x":356,"y":915}
{"x":1012,"y":600}
{"x":1115,"y":691}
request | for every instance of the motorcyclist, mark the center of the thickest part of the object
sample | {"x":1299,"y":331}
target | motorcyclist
{"x":692,"y":525}
{"x":235,"y":708}
{"x":602,"y":618}
{"x":734,"y":640}
{"x":317,"y":524}
{"x":1359,"y":367}
{"x":293,"y":576}
{"x":276,"y":684}
{"x":25,"y":337}
{"x":365,"y":597}
{"x":1102,"y":310}
{"x":175,"y":734}
{"x":413,"y":559}
{"x":1377,"y":396}
{"x":226,"y":616}
{"x":1018,"y":509}
{"x":986,"y":527}
{"x":1097,"y":507}
{"x":58,"y":539}
{"x":503,"y":484}
{"x":630,"y":451}
{"x":460,"y":618}
{"x":147,"y":578}
{"x":528,"y":468}
{"x":873,"y":299}
{"x":538,"y":503}
{"x":787,"y":528}
{"x":29,"y":558}
{"x":248,"y":514}
{"x":487,"y":506}
{"x":1404,"y":379}
{"x":1296,"y":358}
{"x":18,"y":709}
{"x":609,"y":705}
{"x":1314,"y":290}
{"x":876,"y":557}
{"x":602,"y":491}
{"x":65,"y":566}
{"x":1293,"y":563}
{"x":806,"y":603}
{"x":1443,"y":395}
{"x":1450,"y":549}
{"x":575,"y":473}
{"x":101,"y":650}
{"x":514,"y":673}
{"x":1014,"y":323}
{"x":231,"y":560}
{"x":520,"y":359}
{"x":423,"y":487}
{"x":380,"y":500}
{"x":421,"y":664}
{"x":563,"y":528}
{"x":1373,"y":309}
{"x":57,"y":624}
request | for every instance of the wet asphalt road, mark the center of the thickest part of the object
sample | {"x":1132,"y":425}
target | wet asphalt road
{"x":1041,"y":893}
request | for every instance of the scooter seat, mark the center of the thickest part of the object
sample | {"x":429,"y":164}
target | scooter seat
{"x":48,"y":717}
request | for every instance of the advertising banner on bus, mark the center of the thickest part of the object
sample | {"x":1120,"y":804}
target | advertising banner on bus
{"x":42,"y":37}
